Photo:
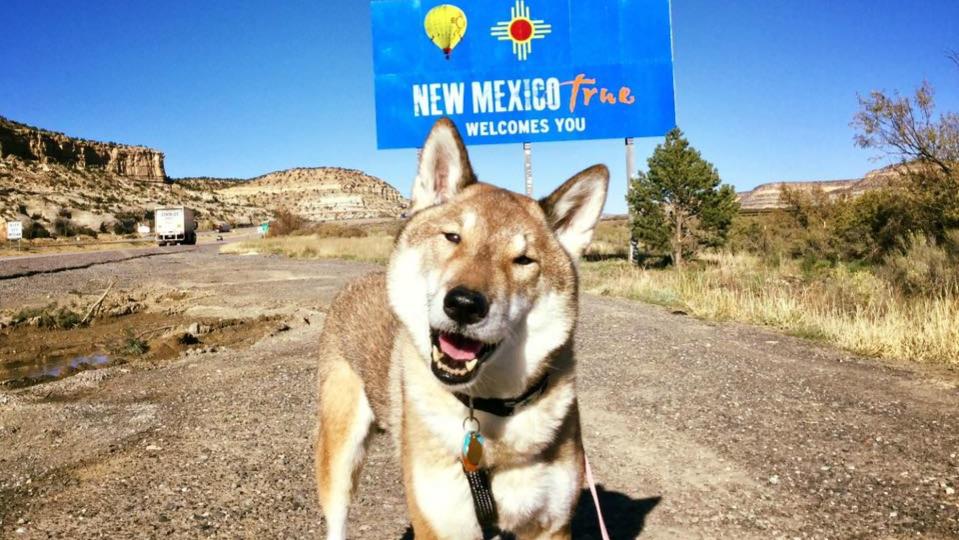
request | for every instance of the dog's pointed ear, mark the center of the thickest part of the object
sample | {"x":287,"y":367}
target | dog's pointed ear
{"x":444,"y":167}
{"x":574,"y":209}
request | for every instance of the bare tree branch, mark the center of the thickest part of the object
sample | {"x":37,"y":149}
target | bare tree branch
{"x":907,"y":129}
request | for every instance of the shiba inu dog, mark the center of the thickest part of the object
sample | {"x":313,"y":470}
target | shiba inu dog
{"x":463,"y":349}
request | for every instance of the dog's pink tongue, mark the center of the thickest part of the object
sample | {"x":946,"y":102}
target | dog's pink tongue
{"x":459,"y":348}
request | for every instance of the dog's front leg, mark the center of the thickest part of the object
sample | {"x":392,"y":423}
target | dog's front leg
{"x":439,"y":500}
{"x":343,"y":427}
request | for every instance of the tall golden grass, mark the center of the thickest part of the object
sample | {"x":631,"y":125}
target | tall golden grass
{"x":854,"y":310}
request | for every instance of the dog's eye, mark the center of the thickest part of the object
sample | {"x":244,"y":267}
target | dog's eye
{"x":452,"y":237}
{"x":523,"y":260}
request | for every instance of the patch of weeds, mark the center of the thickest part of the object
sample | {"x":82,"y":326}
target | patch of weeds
{"x":52,"y":316}
{"x":807,"y":332}
{"x":134,"y":345}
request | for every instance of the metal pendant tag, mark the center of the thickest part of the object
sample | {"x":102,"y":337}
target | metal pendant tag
{"x":472,"y":451}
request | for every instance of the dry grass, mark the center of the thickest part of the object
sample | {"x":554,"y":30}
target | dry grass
{"x":611,"y":240}
{"x":854,"y":310}
{"x":375,"y":249}
{"x":49,"y":246}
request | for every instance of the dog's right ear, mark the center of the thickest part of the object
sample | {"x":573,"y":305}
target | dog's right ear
{"x":444,"y":167}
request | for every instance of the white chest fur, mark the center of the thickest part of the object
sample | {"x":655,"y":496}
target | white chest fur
{"x":538,"y":494}
{"x":528,"y":488}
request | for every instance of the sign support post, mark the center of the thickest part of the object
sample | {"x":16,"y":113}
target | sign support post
{"x":630,"y":168}
{"x":528,"y":167}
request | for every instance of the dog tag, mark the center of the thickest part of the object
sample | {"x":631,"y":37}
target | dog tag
{"x":472,"y":451}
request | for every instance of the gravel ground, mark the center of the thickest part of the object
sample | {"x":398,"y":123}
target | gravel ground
{"x":15,"y":266}
{"x":695,"y":430}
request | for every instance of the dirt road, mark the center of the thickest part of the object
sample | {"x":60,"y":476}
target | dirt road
{"x":86,"y":255}
{"x":694,"y":429}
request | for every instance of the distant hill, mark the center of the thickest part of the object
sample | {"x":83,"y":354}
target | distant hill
{"x":48,"y":178}
{"x":322,"y":194}
{"x":93,"y":199}
{"x":765,"y":197}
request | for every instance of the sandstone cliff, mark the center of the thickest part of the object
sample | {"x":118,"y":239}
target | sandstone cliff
{"x":322,"y":194}
{"x":44,"y":193}
{"x":49,"y":147}
{"x":765,"y":197}
{"x":53,"y":182}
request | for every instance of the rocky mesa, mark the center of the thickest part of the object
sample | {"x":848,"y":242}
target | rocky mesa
{"x":34,"y":144}
{"x":322,"y":194}
{"x":766,"y":197}
{"x":62,"y":186}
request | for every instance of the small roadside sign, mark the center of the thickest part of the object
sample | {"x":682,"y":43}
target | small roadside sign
{"x":14,"y":230}
{"x":264,"y":228}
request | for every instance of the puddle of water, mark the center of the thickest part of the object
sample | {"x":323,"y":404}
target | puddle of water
{"x":27,"y":373}
{"x":75,"y":364}
{"x":30,"y":356}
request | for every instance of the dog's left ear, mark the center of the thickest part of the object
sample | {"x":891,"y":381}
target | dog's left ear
{"x":575,"y":207}
{"x":444,"y":167}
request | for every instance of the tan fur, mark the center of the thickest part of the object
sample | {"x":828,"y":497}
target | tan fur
{"x":338,"y":414}
{"x":375,"y":352}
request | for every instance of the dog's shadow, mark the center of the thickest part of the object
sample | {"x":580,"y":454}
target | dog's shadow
{"x":625,"y":516}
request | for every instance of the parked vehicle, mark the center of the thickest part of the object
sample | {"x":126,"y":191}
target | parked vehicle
{"x":175,"y":225}
{"x":223,"y":228}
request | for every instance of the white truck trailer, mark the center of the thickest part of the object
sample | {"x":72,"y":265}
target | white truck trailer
{"x":175,"y":225}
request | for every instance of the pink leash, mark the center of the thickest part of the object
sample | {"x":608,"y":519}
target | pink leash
{"x":592,"y":489}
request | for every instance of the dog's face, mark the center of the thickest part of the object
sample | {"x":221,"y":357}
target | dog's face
{"x":484,"y":279}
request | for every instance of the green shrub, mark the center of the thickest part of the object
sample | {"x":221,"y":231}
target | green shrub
{"x":923,"y":267}
{"x":287,"y":223}
{"x":134,"y":345}
{"x":35,"y":230}
{"x":125,"y":224}
{"x":51,"y":316}
{"x":64,"y":227}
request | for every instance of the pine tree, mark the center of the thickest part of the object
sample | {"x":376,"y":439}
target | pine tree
{"x":679,"y":206}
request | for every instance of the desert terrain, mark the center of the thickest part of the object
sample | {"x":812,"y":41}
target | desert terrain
{"x":694,"y":429}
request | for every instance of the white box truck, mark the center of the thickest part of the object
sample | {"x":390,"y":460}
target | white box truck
{"x":175,"y":225}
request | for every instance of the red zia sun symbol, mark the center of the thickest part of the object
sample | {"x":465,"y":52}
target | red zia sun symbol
{"x":521,"y":29}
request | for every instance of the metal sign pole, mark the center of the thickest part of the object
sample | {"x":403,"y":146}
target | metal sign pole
{"x":528,"y":166}
{"x":630,"y":169}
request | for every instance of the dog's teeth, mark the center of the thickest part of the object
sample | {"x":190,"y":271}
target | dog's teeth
{"x":437,"y":354}
{"x":471,"y":364}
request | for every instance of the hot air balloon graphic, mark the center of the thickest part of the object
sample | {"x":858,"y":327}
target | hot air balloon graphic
{"x":445,"y":25}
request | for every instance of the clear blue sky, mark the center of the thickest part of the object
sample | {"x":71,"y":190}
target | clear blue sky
{"x":764,"y":88}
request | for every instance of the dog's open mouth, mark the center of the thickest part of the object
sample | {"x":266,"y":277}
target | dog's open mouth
{"x":457,"y":358}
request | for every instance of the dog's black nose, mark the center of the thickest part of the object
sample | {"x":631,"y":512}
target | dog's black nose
{"x":465,"y":306}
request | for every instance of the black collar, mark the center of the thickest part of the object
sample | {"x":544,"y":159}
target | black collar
{"x":505,"y":407}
